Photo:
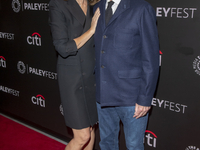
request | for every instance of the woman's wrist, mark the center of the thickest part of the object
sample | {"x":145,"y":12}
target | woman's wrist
{"x":91,"y":31}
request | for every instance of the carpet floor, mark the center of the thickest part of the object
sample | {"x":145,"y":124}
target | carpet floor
{"x":14,"y":136}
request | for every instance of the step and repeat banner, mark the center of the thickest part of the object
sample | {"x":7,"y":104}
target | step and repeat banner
{"x":28,"y":77}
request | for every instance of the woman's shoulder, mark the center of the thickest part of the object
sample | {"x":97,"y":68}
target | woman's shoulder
{"x":57,"y":2}
{"x":59,"y":5}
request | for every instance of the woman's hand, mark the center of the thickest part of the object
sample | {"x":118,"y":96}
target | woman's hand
{"x":95,"y":20}
{"x":81,"y":40}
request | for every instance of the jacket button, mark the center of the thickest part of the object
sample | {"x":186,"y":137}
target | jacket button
{"x":80,"y":87}
{"x":102,"y":66}
{"x":104,"y":36}
{"x":102,"y":52}
{"x":81,"y":60}
{"x":83,"y":73}
{"x":94,"y":84}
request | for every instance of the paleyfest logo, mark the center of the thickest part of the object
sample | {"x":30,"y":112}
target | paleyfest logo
{"x":196,"y":65}
{"x":38,"y":100}
{"x":34,"y":39}
{"x":9,"y":90}
{"x":22,"y":68}
{"x":169,"y":105}
{"x":175,"y":12}
{"x":150,"y":138}
{"x":8,"y":36}
{"x":2,"y":62}
{"x":192,"y":148}
{"x":17,"y":6}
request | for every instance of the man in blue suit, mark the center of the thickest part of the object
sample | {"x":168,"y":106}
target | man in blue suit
{"x":127,"y":66}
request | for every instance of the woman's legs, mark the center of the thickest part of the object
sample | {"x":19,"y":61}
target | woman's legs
{"x":81,"y":138}
{"x":90,"y":144}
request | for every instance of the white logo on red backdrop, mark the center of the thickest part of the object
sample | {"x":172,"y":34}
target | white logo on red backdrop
{"x":16,"y":6}
{"x":34,"y":39}
{"x":150,"y":138}
{"x":192,"y":148}
{"x":182,"y":13}
{"x":9,"y":36}
{"x":171,"y":106}
{"x":38,"y":100}
{"x":2,"y":62}
{"x":196,"y":65}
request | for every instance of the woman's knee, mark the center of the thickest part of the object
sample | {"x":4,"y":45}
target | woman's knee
{"x":83,"y":135}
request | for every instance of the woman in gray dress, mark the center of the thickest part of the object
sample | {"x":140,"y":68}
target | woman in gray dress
{"x":72,"y":27}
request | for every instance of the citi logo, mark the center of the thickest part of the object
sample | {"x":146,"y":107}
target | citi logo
{"x":2,"y":62}
{"x":38,"y":100}
{"x":150,"y":138}
{"x":160,"y":58}
{"x":34,"y":39}
{"x":192,"y":148}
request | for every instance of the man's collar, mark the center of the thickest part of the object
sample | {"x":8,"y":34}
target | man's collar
{"x":115,"y":1}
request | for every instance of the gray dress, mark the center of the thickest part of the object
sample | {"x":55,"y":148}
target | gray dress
{"x":75,"y":68}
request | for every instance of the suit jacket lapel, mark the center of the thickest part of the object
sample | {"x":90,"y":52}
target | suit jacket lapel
{"x":88,"y":19}
{"x":123,"y":5}
{"x":75,"y":10}
{"x":102,"y":11}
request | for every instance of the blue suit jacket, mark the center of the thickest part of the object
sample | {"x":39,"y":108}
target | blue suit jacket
{"x":127,"y":55}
